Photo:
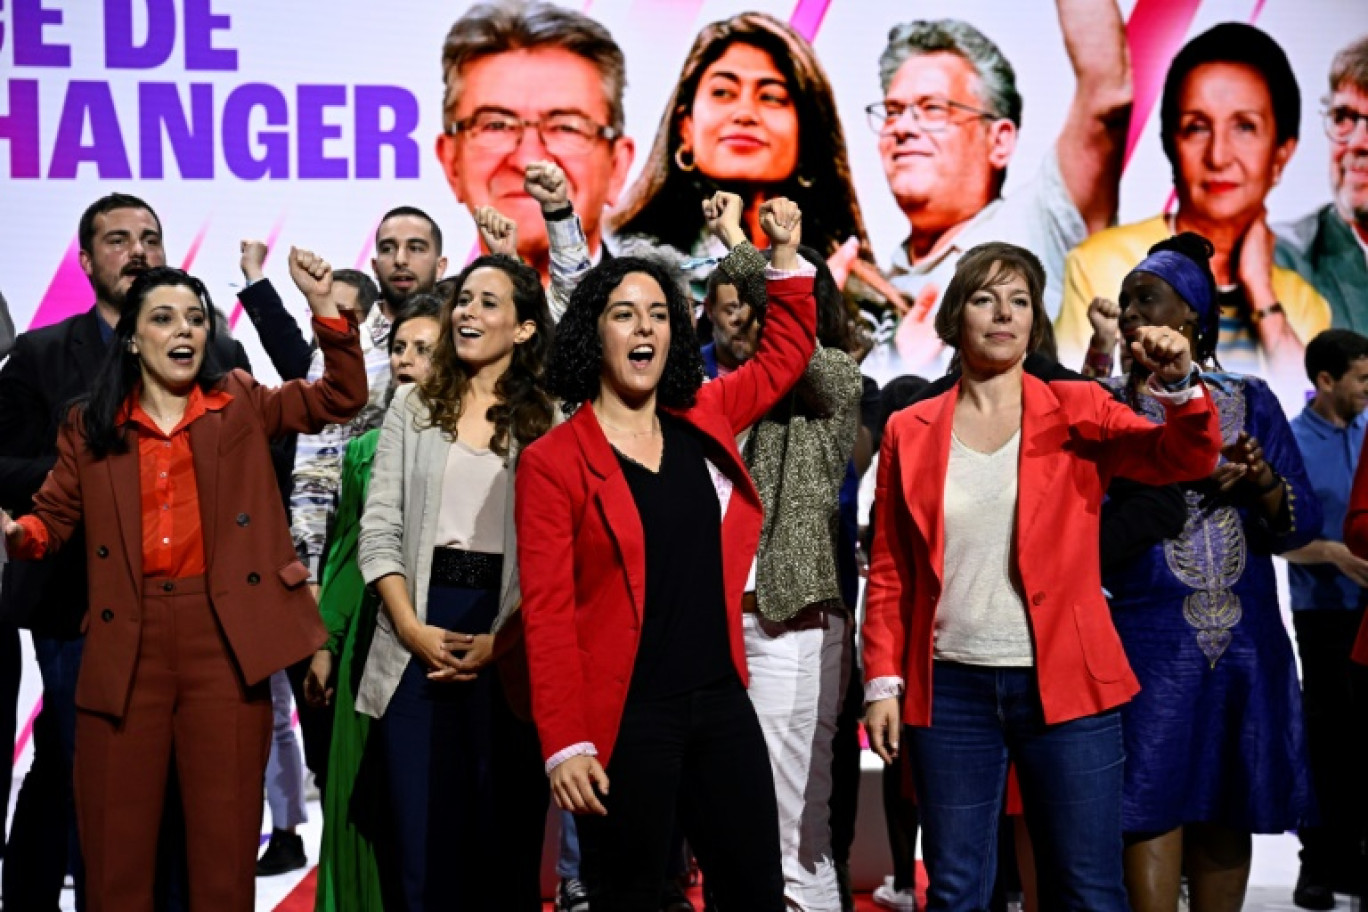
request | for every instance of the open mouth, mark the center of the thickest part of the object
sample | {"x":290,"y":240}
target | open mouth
{"x":468,"y":332}
{"x":404,"y":377}
{"x":641,"y":356}
{"x":183,"y":355}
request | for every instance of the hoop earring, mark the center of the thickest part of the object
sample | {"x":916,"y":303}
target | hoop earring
{"x":679,"y":159}
{"x":805,"y":182}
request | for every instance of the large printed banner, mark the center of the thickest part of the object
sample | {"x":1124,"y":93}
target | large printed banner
{"x":301,"y":122}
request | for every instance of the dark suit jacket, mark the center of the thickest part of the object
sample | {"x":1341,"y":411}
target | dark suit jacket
{"x":48,"y":368}
{"x":255,"y":582}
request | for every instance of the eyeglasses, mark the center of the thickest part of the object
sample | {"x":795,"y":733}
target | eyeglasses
{"x":502,"y":131}
{"x":932,"y":113}
{"x":1341,"y":121}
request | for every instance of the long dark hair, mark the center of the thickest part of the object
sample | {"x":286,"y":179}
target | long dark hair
{"x":576,"y":364}
{"x":523,"y":411}
{"x":121,"y":371}
{"x":665,"y":202}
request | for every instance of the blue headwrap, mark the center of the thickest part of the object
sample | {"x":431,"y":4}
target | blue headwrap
{"x":1186,"y":277}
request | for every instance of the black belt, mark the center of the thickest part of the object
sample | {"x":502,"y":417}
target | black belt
{"x":466,"y":569}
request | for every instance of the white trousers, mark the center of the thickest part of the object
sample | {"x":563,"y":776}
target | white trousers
{"x":796,"y":681}
{"x":285,"y":765}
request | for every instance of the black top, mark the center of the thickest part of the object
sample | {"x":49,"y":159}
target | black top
{"x":684,"y":643}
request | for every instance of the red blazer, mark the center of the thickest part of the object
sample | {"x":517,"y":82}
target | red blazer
{"x":582,"y":552}
{"x":1074,"y":437}
{"x":255,"y":581}
{"x":1356,"y":537}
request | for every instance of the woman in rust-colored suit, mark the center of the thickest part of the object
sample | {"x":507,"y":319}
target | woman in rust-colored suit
{"x":196,"y":596}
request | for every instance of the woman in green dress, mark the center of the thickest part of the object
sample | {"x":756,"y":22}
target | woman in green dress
{"x":348,"y":873}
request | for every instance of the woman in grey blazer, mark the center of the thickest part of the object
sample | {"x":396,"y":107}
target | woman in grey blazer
{"x":437,"y":542}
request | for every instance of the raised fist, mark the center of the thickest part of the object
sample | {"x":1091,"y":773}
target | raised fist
{"x":312,"y":275}
{"x":253,"y":259}
{"x":722,"y":211}
{"x":1164,"y":351}
{"x":498,"y":232}
{"x":546,"y":183}
{"x":782,"y":222}
{"x":1105,"y":316}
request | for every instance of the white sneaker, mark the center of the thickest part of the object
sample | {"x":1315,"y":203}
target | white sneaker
{"x":889,"y":898}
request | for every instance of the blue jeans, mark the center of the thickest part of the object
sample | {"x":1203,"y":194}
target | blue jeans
{"x":1070,"y":775}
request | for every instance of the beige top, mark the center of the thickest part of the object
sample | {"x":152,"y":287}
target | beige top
{"x":982,"y":617}
{"x":474,"y":496}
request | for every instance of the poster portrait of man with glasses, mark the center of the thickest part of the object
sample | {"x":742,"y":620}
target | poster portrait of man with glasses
{"x":533,"y":82}
{"x":1329,"y":247}
{"x":947,"y":129}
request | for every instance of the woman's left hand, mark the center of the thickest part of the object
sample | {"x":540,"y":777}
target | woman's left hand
{"x":1255,"y":268}
{"x":471,"y":659}
{"x":1244,"y":462}
{"x":1164,"y":351}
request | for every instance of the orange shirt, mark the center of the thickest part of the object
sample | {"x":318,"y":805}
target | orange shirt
{"x":172,"y":539}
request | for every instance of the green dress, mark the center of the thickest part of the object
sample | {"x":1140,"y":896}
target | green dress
{"x":348,"y":876}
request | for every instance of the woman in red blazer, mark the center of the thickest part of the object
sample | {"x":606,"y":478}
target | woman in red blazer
{"x":987,"y":632}
{"x":637,"y":526}
{"x":196,"y":595}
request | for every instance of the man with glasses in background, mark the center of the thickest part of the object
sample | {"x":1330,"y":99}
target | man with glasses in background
{"x":529,"y":82}
{"x":947,"y":130}
{"x":1329,"y":247}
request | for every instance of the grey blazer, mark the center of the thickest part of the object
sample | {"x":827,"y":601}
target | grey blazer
{"x":399,"y":531}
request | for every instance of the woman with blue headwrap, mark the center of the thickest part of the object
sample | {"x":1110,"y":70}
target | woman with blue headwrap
{"x":1214,"y":745}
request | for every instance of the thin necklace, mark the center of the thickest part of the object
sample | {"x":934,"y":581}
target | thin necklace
{"x":655,"y":427}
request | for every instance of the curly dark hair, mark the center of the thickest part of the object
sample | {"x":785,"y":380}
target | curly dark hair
{"x":524,"y":410}
{"x":576,"y":364}
{"x":121,"y":370}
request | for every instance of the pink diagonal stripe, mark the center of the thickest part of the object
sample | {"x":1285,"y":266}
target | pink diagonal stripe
{"x":270,"y":245}
{"x":807,"y":17}
{"x":67,"y":294}
{"x":363,"y":258}
{"x":1155,"y":32}
{"x":26,"y":732}
{"x":195,"y":243}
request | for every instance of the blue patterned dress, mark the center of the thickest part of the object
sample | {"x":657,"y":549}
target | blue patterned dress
{"x":1215,"y":734}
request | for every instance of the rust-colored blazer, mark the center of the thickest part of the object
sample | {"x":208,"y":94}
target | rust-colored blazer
{"x":255,"y":582}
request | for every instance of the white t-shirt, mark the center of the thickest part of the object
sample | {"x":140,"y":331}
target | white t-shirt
{"x":981,"y":618}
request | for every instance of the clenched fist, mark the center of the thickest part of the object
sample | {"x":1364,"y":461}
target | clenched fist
{"x":546,"y":183}
{"x":782,"y":222}
{"x":253,"y":259}
{"x":1165,"y":352}
{"x":722,"y":212}
{"x":498,"y":232}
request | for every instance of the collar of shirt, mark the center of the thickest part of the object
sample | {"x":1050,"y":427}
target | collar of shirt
{"x":965,"y":238}
{"x":200,"y":403}
{"x":1324,"y":429}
